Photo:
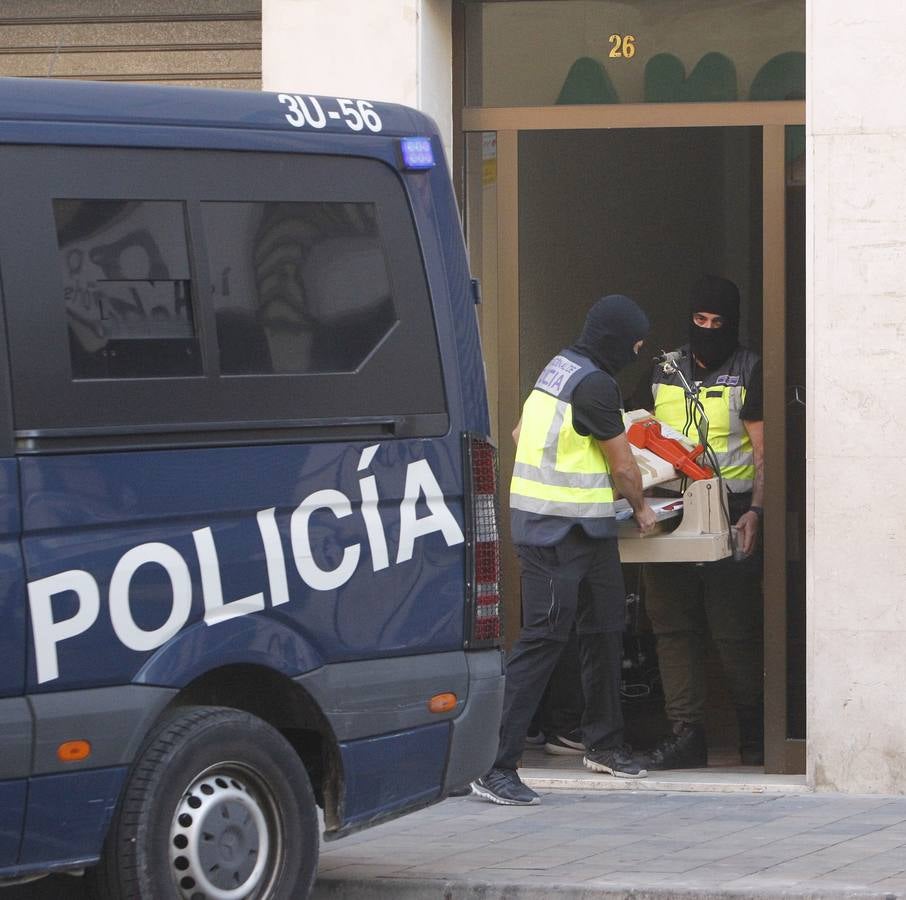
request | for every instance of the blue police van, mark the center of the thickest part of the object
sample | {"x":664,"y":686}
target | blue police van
{"x":249,"y":558}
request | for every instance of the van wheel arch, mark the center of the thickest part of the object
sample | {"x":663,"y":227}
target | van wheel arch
{"x":287,"y":707}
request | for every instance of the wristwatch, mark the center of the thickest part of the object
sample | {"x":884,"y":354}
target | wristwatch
{"x":759,"y":511}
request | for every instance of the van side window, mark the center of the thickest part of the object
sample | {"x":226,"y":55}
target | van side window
{"x":194,"y":297}
{"x":127,"y":288}
{"x":298,"y":288}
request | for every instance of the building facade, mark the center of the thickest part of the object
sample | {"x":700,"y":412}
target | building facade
{"x":825,"y":303}
{"x":623,"y":146}
{"x":206,"y":43}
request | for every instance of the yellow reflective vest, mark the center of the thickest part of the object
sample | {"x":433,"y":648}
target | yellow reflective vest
{"x":722,"y":394}
{"x":559,"y":474}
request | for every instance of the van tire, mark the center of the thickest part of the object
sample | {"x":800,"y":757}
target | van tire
{"x":232,"y":773}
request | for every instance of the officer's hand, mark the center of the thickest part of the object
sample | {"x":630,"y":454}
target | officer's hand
{"x":747,"y":532}
{"x":645,"y":519}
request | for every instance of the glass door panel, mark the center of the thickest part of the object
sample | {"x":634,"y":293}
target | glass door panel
{"x":545,"y":52}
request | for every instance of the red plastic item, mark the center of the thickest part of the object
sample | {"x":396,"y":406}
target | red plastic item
{"x":647,"y":435}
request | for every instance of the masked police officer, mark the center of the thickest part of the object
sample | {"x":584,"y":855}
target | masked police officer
{"x":572,"y":454}
{"x":686,"y":600}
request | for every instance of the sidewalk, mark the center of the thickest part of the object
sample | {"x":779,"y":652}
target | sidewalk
{"x":645,"y":843}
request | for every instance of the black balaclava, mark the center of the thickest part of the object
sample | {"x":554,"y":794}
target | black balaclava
{"x":712,"y":294}
{"x":612,"y":327}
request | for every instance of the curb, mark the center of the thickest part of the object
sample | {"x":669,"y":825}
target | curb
{"x":579,"y":780}
{"x":377,"y":888}
{"x":605,"y":783}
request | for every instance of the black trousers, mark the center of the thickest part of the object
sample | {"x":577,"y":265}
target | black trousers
{"x":560,"y":710}
{"x":551,"y":605}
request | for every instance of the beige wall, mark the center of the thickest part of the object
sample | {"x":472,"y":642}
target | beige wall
{"x":394,"y":50}
{"x":207,"y":43}
{"x":856,"y":382}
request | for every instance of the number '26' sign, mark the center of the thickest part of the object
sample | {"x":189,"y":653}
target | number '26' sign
{"x":623,"y":46}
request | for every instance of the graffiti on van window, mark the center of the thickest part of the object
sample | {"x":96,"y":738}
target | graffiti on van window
{"x":298,"y":286}
{"x":126,"y":280}
{"x":111,"y":309}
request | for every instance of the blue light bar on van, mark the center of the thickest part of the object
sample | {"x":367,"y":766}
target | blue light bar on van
{"x":417,"y":153}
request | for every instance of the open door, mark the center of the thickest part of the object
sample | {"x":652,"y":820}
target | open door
{"x":560,"y":212}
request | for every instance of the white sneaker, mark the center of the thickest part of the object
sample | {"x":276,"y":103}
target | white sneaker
{"x":565,"y":744}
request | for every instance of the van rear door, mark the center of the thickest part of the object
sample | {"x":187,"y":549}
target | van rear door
{"x":15,"y":719}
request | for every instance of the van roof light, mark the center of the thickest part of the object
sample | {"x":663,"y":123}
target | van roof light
{"x":417,"y":153}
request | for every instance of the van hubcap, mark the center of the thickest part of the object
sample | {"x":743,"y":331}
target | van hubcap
{"x":221,"y":837}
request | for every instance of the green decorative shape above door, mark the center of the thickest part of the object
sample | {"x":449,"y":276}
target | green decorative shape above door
{"x":712,"y":80}
{"x":780,"y":78}
{"x":587,"y":82}
{"x":783,"y":78}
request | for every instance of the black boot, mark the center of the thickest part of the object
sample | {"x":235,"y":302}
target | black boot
{"x":751,"y":735}
{"x":686,"y":748}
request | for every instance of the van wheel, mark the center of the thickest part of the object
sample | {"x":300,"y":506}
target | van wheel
{"x":218,"y":806}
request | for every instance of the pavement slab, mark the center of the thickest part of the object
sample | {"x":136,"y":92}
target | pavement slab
{"x":642,"y":844}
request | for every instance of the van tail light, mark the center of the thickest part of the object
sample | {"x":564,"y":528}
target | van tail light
{"x":483,"y":622}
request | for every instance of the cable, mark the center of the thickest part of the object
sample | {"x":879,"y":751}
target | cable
{"x":693,"y":406}
{"x":711,"y":456}
{"x":672,"y":365}
{"x":634,"y":691}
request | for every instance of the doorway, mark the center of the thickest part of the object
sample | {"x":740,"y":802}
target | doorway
{"x":640,"y":212}
{"x":567,"y":204}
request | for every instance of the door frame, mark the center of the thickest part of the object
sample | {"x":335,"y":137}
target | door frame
{"x":782,"y":754}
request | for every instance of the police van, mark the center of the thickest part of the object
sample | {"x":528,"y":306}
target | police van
{"x":249,"y":562}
